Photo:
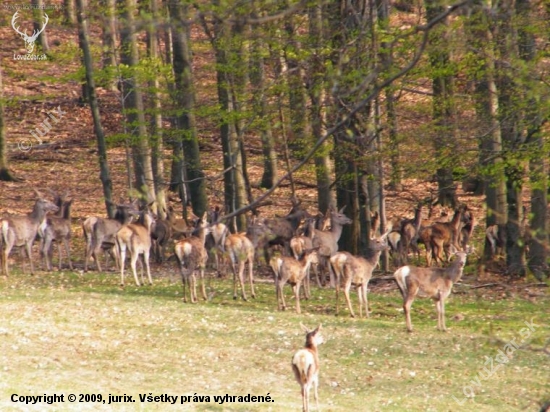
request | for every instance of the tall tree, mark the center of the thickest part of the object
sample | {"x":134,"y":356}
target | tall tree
{"x":260,"y":101}
{"x":442,"y":75}
{"x":104,"y":173}
{"x":39,"y":20}
{"x":184,"y":91}
{"x":324,"y":168}
{"x":134,"y":108}
{"x":5,"y":173}
{"x":481,"y":43}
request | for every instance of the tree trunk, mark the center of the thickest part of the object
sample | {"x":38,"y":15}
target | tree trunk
{"x":104,"y":174}
{"x":443,"y":106}
{"x":69,"y":14}
{"x":110,"y":54}
{"x":185,"y":97}
{"x":510,"y":112}
{"x":135,"y":115}
{"x":261,"y":108}
{"x":480,"y":40}
{"x":324,"y":168}
{"x":157,"y":146}
{"x":38,"y":14}
{"x":5,"y":174}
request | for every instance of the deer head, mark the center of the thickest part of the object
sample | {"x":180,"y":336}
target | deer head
{"x":29,"y":41}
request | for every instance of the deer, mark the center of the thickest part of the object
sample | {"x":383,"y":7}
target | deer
{"x":284,"y":228}
{"x":409,"y":232}
{"x":468,"y":225}
{"x":29,"y":40}
{"x":100,"y":232}
{"x":444,"y":235}
{"x":180,"y":227}
{"x":357,"y":270}
{"x":299,"y":244}
{"x":217,"y":236}
{"x":161,"y":233}
{"x":432,"y":282}
{"x":286,"y":269}
{"x":327,"y":241}
{"x":57,"y":228}
{"x":18,"y":231}
{"x":192,"y":256}
{"x":305,"y":365}
{"x":495,"y":237}
{"x":241,"y":251}
{"x":136,"y":238}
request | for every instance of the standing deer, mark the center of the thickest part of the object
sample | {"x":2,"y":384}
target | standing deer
{"x":327,"y":241}
{"x":299,"y":245}
{"x":241,"y":251}
{"x":356,"y":270}
{"x":445,"y":235}
{"x":305,"y":365}
{"x":409,"y":232}
{"x":136,"y":238}
{"x":99,"y":233}
{"x":286,"y":269}
{"x":57,"y":229}
{"x":192,"y":255}
{"x":434,"y":283}
{"x":218,"y":233}
{"x":17,"y":231}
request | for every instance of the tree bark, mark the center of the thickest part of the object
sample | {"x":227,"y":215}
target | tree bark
{"x":104,"y":174}
{"x":135,"y":115}
{"x":5,"y":174}
{"x":185,"y":97}
{"x":443,"y":106}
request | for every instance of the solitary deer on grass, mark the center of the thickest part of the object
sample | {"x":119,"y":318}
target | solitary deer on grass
{"x":57,"y":228}
{"x":136,"y":238}
{"x":327,"y":241}
{"x":286,"y":269}
{"x":305,"y":365}
{"x":17,"y":231}
{"x":434,"y":283}
{"x":192,"y":255}
{"x":357,"y":270}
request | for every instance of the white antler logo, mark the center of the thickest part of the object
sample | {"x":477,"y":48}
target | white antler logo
{"x":29,"y":41}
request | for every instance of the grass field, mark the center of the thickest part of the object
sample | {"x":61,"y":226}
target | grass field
{"x":70,"y":333}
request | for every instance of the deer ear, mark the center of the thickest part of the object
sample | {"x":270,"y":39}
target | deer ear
{"x":306,"y":330}
{"x":342,"y":209}
{"x":318,"y":329}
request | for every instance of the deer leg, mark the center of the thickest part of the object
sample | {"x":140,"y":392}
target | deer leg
{"x":407,"y":309}
{"x":296,"y":289}
{"x":122,"y":262}
{"x":233,"y":264}
{"x":193,"y":286}
{"x":251,"y":278}
{"x":146,"y":259}
{"x":133,"y":263}
{"x":183,"y":280}
{"x":282,"y":295}
{"x":365,"y":298}
{"x":68,"y":250}
{"x":347,"y":288}
{"x":315,"y":393}
{"x":203,"y":286}
{"x":28,"y":248}
{"x":241,"y":279}
{"x":304,"y":398}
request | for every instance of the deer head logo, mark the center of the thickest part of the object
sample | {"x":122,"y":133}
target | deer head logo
{"x":29,"y":40}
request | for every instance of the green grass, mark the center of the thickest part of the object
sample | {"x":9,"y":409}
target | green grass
{"x":73,"y":333}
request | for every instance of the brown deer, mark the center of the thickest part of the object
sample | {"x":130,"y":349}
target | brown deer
{"x":57,"y":229}
{"x":192,"y":256}
{"x":136,"y":238}
{"x":286,"y":269}
{"x":161,"y":234}
{"x":18,"y":231}
{"x":327,"y":241}
{"x":99,"y":233}
{"x":356,"y":270}
{"x":181,"y":227}
{"x":409,"y":232}
{"x":241,"y":251}
{"x":434,"y":283}
{"x":444,"y":235}
{"x":305,"y":365}
{"x":299,"y":244}
{"x":284,"y":228}
{"x":468,"y":226}
{"x":216,"y":238}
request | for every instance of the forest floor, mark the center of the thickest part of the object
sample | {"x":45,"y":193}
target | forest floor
{"x":78,"y":332}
